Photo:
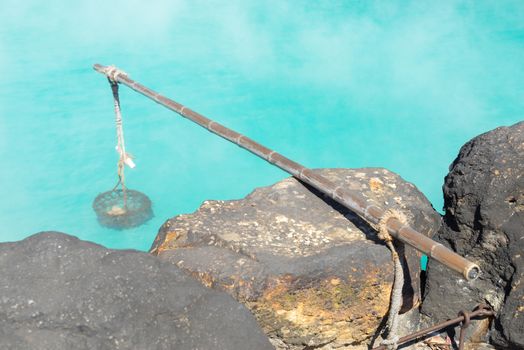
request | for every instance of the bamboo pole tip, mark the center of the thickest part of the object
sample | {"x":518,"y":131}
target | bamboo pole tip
{"x":111,"y":72}
{"x":98,"y":67}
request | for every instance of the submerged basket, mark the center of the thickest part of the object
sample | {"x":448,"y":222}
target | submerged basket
{"x":111,"y":211}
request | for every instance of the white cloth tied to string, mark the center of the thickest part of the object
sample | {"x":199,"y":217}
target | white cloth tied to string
{"x":126,"y":158}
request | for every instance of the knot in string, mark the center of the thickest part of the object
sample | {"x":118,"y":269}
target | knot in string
{"x":113,"y":73}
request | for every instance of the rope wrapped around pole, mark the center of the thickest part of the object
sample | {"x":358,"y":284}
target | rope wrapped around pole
{"x":350,"y":199}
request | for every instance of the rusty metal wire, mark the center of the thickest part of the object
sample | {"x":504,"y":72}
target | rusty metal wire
{"x":464,"y":317}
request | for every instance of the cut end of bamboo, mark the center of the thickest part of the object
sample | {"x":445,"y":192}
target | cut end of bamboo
{"x":98,"y":67}
{"x":472,"y":272}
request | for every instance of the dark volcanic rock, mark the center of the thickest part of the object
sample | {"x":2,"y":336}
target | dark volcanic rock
{"x":58,"y":292}
{"x":310,"y":270}
{"x":484,"y":203}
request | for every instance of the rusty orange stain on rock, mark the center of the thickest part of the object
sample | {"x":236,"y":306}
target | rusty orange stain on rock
{"x":167,"y":243}
{"x":375,"y":184}
{"x":205,"y":278}
{"x":331,"y":308}
{"x":281,"y":285}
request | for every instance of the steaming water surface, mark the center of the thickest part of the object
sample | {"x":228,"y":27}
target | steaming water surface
{"x":400,"y":85}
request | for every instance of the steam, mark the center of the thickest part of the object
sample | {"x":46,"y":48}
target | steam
{"x":398,"y":84}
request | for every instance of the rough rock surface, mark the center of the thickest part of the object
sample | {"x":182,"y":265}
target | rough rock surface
{"x":311,"y":271}
{"x":58,"y":292}
{"x":484,"y":220}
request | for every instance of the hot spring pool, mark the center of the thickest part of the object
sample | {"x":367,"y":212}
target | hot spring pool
{"x":400,"y":85}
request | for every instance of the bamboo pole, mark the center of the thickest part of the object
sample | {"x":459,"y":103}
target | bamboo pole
{"x":350,"y":199}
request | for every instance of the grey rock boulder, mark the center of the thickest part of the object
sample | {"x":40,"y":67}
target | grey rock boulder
{"x":313,"y":273}
{"x":58,"y":292}
{"x":484,"y":220}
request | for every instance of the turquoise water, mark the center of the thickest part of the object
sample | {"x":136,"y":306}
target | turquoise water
{"x":399,"y":84}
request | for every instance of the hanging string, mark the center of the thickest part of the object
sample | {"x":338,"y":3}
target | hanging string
{"x":124,"y":157}
{"x":391,"y":342}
